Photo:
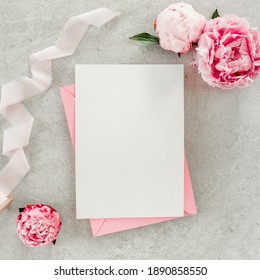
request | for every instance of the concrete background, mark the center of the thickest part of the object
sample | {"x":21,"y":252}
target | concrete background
{"x":222,"y":139}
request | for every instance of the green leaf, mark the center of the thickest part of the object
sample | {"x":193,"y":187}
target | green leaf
{"x":215,"y":14}
{"x":145,"y":38}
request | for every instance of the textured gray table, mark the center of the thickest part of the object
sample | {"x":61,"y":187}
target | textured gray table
{"x":222,"y":139}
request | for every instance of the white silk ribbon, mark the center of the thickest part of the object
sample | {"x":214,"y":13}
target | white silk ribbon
{"x":17,"y":136}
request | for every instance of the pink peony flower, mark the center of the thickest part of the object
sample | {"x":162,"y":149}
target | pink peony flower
{"x":38,"y":225}
{"x":178,"y":26}
{"x":228,"y":53}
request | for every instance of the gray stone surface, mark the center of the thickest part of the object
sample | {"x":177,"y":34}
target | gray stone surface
{"x":222,"y":139}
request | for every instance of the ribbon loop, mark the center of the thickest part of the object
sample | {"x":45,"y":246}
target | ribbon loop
{"x":18,"y":135}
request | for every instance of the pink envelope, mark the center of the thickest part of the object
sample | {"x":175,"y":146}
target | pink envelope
{"x":107,"y":226}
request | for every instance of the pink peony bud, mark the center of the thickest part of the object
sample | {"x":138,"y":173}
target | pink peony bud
{"x":228,"y":53}
{"x":178,"y":26}
{"x":38,"y":225}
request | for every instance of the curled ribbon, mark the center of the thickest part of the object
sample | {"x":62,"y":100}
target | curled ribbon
{"x":13,"y":93}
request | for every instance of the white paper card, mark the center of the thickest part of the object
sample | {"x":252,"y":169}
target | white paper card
{"x":129,"y":141}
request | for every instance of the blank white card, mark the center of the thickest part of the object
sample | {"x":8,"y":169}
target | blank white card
{"x":129,"y":141}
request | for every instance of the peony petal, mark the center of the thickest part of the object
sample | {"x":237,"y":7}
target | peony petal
{"x":228,"y":53}
{"x":38,"y":225}
{"x":178,"y":26}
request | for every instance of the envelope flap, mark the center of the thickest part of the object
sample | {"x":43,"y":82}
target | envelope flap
{"x":189,"y":201}
{"x":96,"y":225}
{"x":68,"y":98}
{"x":69,"y":89}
